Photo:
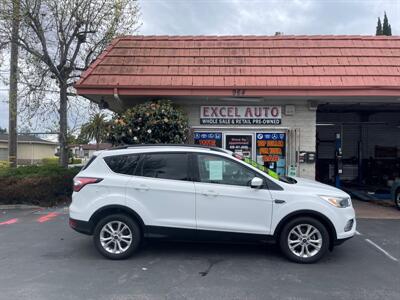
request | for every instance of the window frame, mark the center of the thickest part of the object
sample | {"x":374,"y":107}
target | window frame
{"x":190,"y":173}
{"x":89,"y":162}
{"x":268,"y":184}
{"x":125,"y":154}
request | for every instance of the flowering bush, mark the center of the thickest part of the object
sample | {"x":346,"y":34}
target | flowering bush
{"x":149,"y":123}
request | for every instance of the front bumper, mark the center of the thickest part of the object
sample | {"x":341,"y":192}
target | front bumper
{"x":341,"y":241}
{"x":345,"y":217}
{"x":81,"y":226}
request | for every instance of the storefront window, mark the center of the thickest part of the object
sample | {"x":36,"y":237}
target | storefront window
{"x":271,"y":151}
{"x":268,"y":149}
{"x":208,"y":139}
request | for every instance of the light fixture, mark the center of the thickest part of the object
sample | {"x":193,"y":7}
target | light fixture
{"x":326,"y":124}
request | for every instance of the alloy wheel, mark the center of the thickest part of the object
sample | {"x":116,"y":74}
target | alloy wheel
{"x":304,"y":240}
{"x":115,"y":237}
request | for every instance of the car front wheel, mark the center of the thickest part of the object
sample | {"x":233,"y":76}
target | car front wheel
{"x":304,"y":240}
{"x":397,"y":199}
{"x":117,"y":236}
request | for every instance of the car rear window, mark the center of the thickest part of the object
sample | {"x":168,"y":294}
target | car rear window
{"x":123,"y":164}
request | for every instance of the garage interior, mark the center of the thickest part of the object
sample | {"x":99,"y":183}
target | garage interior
{"x":369,"y":137}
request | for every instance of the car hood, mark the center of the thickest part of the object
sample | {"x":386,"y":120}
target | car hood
{"x":319,"y":188}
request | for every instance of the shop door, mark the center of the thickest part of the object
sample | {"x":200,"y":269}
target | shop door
{"x":240,"y":143}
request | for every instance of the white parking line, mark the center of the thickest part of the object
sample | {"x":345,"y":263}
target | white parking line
{"x":357,"y":233}
{"x":382,"y":250}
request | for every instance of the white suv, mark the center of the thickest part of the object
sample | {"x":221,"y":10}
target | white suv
{"x":187,"y":192}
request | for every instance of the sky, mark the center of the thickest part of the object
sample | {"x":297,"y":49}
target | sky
{"x":255,"y":17}
{"x":265,"y":17}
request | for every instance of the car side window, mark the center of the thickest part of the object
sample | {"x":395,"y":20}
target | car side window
{"x":123,"y":164}
{"x":220,"y":170}
{"x":166,"y":166}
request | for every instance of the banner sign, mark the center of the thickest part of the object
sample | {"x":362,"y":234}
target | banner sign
{"x":270,"y":151}
{"x":241,"y":115}
{"x":209,"y":139}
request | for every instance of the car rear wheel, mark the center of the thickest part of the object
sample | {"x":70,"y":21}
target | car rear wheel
{"x":304,"y":240}
{"x":117,"y":236}
{"x":397,"y":199}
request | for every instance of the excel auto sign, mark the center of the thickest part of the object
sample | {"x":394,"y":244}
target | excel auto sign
{"x":240,"y":115}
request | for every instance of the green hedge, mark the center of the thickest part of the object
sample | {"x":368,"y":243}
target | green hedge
{"x":75,"y":161}
{"x":4,"y":164}
{"x":50,"y":161}
{"x":38,"y":185}
{"x":54,"y":161}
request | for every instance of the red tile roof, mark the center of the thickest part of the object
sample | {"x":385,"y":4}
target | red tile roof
{"x":261,"y":65}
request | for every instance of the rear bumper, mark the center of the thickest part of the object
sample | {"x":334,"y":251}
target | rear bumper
{"x":81,"y":226}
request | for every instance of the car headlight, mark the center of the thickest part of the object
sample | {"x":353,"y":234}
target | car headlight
{"x":340,"y":202}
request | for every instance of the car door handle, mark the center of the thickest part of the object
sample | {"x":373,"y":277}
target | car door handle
{"x":279,"y":201}
{"x":210,"y":193}
{"x":142,"y":187}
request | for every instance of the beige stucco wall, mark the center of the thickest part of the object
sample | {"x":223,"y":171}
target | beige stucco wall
{"x":34,"y":152}
{"x":300,"y":127}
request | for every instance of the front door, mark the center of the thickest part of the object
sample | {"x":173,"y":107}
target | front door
{"x":224,"y":199}
{"x":240,"y":143}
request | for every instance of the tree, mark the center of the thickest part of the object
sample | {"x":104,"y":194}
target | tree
{"x":149,"y":123}
{"x":379,"y":27}
{"x":386,"y":28}
{"x":75,"y":140}
{"x":13,"y":90}
{"x":81,"y":140}
{"x":3,"y":130}
{"x":95,"y":129}
{"x":59,"y":39}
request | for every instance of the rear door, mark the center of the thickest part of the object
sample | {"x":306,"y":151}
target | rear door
{"x":162,"y":190}
{"x":224,"y":199}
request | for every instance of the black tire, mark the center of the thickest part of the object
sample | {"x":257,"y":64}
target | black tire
{"x":113,"y":220}
{"x":291,"y":225}
{"x":397,"y":199}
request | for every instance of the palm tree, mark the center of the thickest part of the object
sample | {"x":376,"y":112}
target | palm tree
{"x":95,"y":129}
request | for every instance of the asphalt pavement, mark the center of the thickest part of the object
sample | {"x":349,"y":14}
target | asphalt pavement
{"x":42,"y":258}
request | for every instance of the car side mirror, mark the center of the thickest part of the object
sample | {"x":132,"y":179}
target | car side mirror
{"x":256,"y":183}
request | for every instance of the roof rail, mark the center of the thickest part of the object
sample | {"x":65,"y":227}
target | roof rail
{"x":127,"y":146}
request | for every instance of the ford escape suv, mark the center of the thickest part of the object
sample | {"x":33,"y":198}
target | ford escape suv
{"x":190,"y":192}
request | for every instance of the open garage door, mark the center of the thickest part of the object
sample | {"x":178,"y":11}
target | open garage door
{"x":369,"y":141}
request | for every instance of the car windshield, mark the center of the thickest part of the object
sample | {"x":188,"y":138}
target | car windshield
{"x":264,"y":169}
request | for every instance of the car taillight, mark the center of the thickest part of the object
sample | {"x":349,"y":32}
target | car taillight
{"x":80,"y":182}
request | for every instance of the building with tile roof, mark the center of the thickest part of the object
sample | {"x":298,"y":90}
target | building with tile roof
{"x":244,"y":87}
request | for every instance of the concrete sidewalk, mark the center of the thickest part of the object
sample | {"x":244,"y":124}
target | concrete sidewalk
{"x":375,"y":210}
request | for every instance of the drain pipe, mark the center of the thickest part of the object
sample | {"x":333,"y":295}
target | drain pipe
{"x":117,"y":98}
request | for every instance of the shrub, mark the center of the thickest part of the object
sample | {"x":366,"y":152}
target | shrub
{"x":4,"y":164}
{"x":149,"y":123}
{"x":29,"y":171}
{"x":76,"y":161}
{"x":54,"y":161}
{"x":38,"y":185}
{"x":50,"y":161}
